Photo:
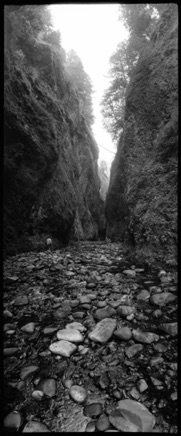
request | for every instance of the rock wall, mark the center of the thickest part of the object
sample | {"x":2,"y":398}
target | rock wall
{"x":51,"y":183}
{"x":141,"y":206}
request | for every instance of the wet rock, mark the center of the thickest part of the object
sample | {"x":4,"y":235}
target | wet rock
{"x":125,"y":311}
{"x":130,"y":273}
{"x":62,"y":313}
{"x":103,"y":330}
{"x":78,"y":393}
{"x":93,"y":410}
{"x":123,"y":333}
{"x":27,"y":370}
{"x":133,"y":350}
{"x":104,"y":381}
{"x":37,"y":395}
{"x":105,"y":312}
{"x":169,"y":328}
{"x":20,"y":385}
{"x":144,"y":337}
{"x":174,"y":396}
{"x":155,"y":290}
{"x":71,"y":335}
{"x":101,"y":304}
{"x":13,"y":421}
{"x":162,"y":299}
{"x":76,"y":325}
{"x":35,"y":426}
{"x":21,"y":300}
{"x":142,"y":385}
{"x":156,"y":382}
{"x":132,"y":416}
{"x":102,"y":423}
{"x":143,"y":295}
{"x":117,"y":394}
{"x":28,"y":328}
{"x":48,"y":387}
{"x":79,"y":314}
{"x":10,"y":351}
{"x":74,"y":303}
{"x":63,"y":348}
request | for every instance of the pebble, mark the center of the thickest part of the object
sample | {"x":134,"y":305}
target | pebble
{"x":124,"y":310}
{"x":78,"y":393}
{"x":170,"y":328}
{"x":105,"y":312}
{"x":142,"y":385}
{"x":93,"y":409}
{"x":20,"y":385}
{"x":13,"y":421}
{"x":143,"y":295}
{"x":130,"y":273}
{"x":37,"y":395}
{"x":49,"y":330}
{"x":157,"y":313}
{"x":144,"y":337}
{"x":71,"y":335}
{"x":123,"y":333}
{"x":63,"y":348}
{"x":35,"y":426}
{"x":174,"y":396}
{"x":48,"y":387}
{"x":103,"y":330}
{"x":7,"y":314}
{"x":156,"y":360}
{"x":27,"y":370}
{"x":102,"y":423}
{"x":91,"y":426}
{"x":162,"y":299}
{"x":28,"y":328}
{"x":10,"y":351}
{"x":21,"y":300}
{"x":133,"y":350}
{"x":135,"y":394}
{"x":76,"y":325}
{"x":67,"y":383}
{"x":131,"y":416}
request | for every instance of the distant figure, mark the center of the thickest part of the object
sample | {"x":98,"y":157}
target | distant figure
{"x":49,"y":243}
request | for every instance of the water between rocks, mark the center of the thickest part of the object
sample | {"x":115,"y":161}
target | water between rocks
{"x":123,"y":342}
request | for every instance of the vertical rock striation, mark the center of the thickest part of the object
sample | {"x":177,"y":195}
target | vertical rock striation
{"x":51,"y":183}
{"x":141,"y":205}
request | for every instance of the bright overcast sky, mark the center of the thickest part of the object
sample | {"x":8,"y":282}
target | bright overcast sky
{"x":93,"y":31}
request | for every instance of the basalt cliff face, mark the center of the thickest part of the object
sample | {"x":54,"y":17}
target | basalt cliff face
{"x":141,"y":205}
{"x":51,"y":183}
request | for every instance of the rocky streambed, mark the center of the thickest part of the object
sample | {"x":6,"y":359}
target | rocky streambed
{"x":90,"y":342}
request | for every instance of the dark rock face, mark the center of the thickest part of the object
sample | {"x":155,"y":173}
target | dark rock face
{"x":141,"y":205}
{"x":51,"y":184}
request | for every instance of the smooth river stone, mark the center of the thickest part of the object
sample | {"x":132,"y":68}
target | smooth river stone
{"x":103,"y":330}
{"x":13,"y":421}
{"x":27,"y":370}
{"x":63,"y":348}
{"x":93,"y":409}
{"x":132,"y":416}
{"x":143,"y":295}
{"x":162,"y":299}
{"x":28,"y":328}
{"x":78,"y":393}
{"x":35,"y":426}
{"x":76,"y":325}
{"x":71,"y":335}
{"x":144,"y":337}
{"x":47,"y":386}
{"x":125,"y":310}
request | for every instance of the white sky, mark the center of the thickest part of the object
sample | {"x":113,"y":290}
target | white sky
{"x":93,"y":31}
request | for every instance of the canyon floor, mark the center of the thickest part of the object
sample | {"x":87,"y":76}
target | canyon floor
{"x":90,"y":342}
